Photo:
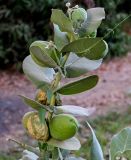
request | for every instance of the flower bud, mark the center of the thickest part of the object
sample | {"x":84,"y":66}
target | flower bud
{"x":34,"y":127}
{"x":63,"y":126}
{"x":78,"y":16}
{"x":41,"y":97}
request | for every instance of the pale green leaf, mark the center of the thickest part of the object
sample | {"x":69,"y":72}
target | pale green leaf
{"x":75,"y":110}
{"x":27,"y":155}
{"x":79,"y":85}
{"x":38,"y":75}
{"x":120,"y":143}
{"x":42,"y":54}
{"x":69,"y":144}
{"x":60,"y":38}
{"x":96,"y":151}
{"x":42,"y":113}
{"x":91,"y":48}
{"x":34,"y":104}
{"x":77,"y":66}
{"x":94,"y":18}
{"x":59,"y":18}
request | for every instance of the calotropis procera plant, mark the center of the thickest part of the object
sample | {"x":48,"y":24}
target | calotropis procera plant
{"x":74,"y":52}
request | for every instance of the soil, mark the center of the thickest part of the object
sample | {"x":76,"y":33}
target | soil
{"x":113,"y":93}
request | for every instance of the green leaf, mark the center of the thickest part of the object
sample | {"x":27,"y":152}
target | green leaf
{"x":79,"y":86}
{"x":42,"y":113}
{"x":49,"y":95}
{"x":91,"y":48}
{"x":120,"y":143}
{"x":34,"y":104}
{"x":96,"y":151}
{"x":69,"y":144}
{"x":77,"y":66}
{"x":42,"y":54}
{"x":40,"y":76}
{"x":94,"y":18}
{"x":59,"y":18}
{"x":60,"y":38}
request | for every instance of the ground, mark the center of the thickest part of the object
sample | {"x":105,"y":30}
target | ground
{"x":111,"y":94}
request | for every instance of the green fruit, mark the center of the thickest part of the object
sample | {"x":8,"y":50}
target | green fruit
{"x":63,"y":126}
{"x":34,"y":127}
{"x":78,"y":16}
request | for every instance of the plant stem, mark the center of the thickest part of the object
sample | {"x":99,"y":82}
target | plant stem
{"x":54,"y":85}
{"x":65,"y":59}
{"x":56,"y":81}
{"x":52,"y":102}
{"x":25,"y":146}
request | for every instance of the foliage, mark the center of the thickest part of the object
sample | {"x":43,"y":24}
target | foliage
{"x":119,"y":40}
{"x":105,"y":126}
{"x":22,"y":22}
{"x":3,"y":157}
{"x":50,"y":125}
{"x":46,"y":65}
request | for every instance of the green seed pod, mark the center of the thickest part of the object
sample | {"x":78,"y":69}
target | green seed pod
{"x":34,"y":127}
{"x":78,"y":16}
{"x":63,"y":126}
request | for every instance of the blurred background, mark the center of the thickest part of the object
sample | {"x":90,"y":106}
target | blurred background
{"x":24,"y":21}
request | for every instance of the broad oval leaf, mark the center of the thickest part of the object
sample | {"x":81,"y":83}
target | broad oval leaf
{"x":60,"y":38}
{"x":94,"y":18}
{"x":69,"y":144}
{"x":75,"y":110}
{"x":38,"y":75}
{"x":120,"y":143}
{"x":77,"y":66}
{"x":91,"y":48}
{"x":79,"y":85}
{"x":96,"y":151}
{"x":42,"y":55}
{"x":59,"y":18}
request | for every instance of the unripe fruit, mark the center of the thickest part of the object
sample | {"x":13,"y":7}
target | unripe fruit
{"x":34,"y":127}
{"x":63,"y":126}
{"x":78,"y":16}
